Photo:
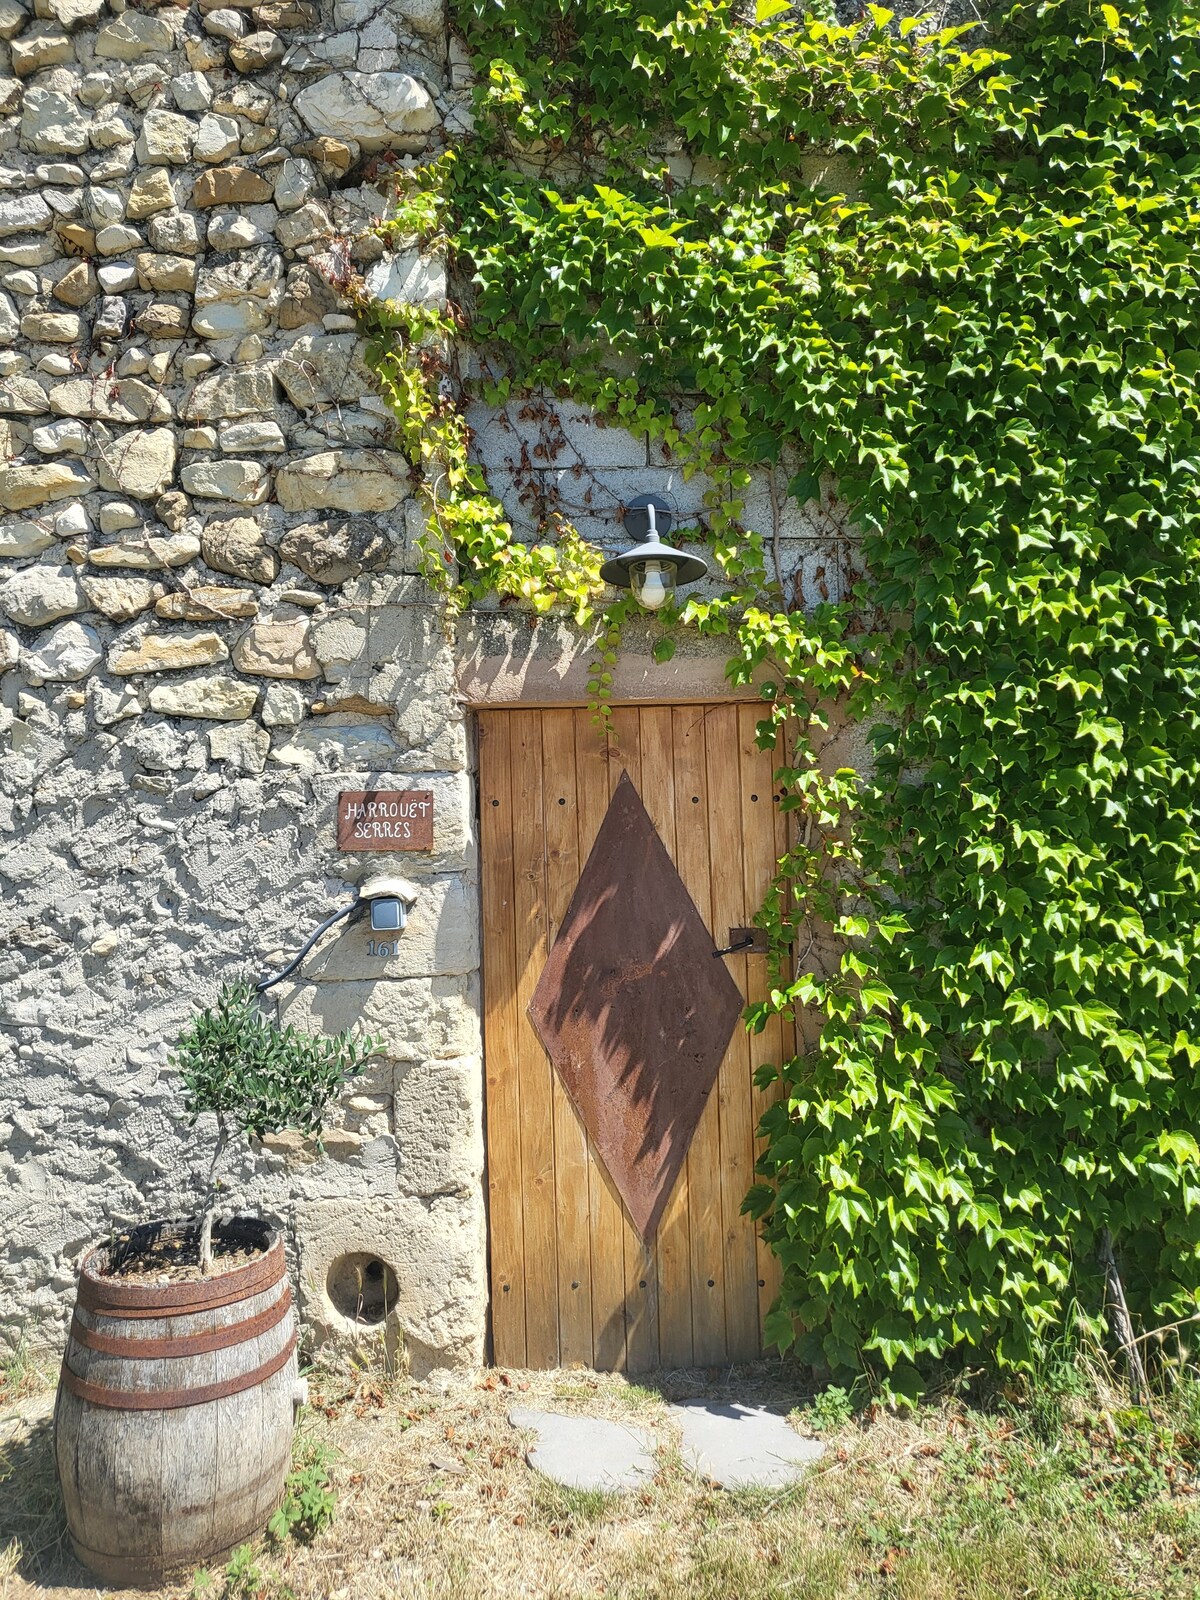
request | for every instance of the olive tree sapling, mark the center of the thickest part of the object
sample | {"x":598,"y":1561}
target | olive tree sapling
{"x":258,"y":1078}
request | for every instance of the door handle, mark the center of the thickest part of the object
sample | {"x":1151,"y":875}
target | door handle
{"x":752,"y":940}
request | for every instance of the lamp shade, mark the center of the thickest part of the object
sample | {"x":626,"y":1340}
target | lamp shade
{"x":687,"y":568}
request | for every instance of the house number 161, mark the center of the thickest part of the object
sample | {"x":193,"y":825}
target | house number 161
{"x":383,"y":947}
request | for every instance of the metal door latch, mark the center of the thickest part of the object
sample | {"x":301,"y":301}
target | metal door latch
{"x":752,"y":940}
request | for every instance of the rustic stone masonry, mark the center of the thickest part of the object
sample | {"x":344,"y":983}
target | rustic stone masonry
{"x":211,"y":620}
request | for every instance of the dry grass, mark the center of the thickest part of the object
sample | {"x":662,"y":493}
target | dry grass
{"x":436,"y":1503}
{"x":31,"y":1532}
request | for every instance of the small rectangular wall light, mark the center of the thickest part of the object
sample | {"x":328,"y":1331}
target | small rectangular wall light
{"x":388,"y":914}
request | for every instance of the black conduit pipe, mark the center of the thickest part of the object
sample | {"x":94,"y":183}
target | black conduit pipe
{"x":347,"y":911}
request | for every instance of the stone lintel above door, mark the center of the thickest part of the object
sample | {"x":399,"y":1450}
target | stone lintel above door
{"x":506,"y":658}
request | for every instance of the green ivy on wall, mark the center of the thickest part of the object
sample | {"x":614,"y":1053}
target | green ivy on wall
{"x":954,"y":275}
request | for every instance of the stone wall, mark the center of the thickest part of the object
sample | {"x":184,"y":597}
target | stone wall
{"x":212,"y":620}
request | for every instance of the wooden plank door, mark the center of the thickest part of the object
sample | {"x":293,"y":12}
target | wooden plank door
{"x":572,"y":1282}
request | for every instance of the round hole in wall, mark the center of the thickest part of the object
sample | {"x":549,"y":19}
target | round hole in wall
{"x":362,"y":1287}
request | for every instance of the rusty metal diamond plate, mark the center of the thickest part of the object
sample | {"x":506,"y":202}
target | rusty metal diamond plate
{"x":633,"y":1011}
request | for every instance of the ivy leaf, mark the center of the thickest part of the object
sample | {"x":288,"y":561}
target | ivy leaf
{"x":1180,"y":1145}
{"x":657,"y":238}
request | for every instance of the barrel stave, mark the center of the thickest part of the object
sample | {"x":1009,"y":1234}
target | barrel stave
{"x":279,"y":1412}
{"x":113,"y":1465}
{"x":191,"y":1483}
{"x":66,"y":1454}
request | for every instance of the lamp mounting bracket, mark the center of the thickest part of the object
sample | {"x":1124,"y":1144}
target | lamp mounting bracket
{"x":637,"y":516}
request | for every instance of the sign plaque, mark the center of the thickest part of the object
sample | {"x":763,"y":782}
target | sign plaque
{"x":385,"y":819}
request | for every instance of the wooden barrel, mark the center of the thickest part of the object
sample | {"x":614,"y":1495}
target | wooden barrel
{"x":173,"y":1422}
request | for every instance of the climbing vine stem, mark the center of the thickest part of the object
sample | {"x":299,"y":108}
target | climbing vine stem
{"x":946,"y":280}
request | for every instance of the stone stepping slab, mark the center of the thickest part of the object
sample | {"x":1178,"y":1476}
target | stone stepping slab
{"x":733,"y":1446}
{"x":587,"y":1452}
{"x":742,"y":1447}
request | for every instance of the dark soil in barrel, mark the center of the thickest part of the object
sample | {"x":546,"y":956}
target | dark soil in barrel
{"x":172,"y":1255}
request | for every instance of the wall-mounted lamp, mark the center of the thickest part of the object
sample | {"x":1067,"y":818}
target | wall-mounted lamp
{"x":391,"y":901}
{"x":651,"y":569}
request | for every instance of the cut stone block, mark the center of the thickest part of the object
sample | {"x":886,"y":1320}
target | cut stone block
{"x":742,"y":1447}
{"x":377,"y":109}
{"x":587,"y":1452}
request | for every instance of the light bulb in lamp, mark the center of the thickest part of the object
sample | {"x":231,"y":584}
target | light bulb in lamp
{"x":653,"y":583}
